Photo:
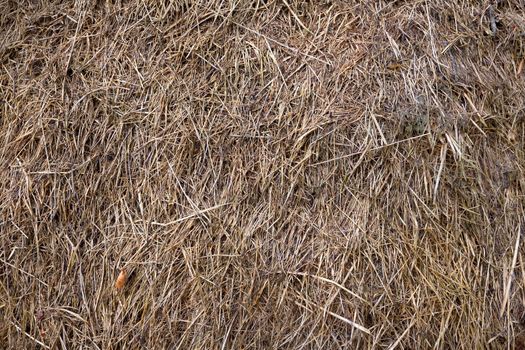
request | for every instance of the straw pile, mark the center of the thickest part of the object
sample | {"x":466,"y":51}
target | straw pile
{"x":262,"y":174}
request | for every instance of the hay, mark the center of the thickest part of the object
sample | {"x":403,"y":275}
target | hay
{"x":268,"y":174}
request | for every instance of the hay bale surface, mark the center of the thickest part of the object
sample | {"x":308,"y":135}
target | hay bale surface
{"x":262,"y":174}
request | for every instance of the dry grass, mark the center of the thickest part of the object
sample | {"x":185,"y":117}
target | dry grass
{"x":269,"y":174}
